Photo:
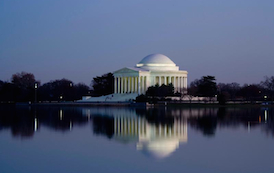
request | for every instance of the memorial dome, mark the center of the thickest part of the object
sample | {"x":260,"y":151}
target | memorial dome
{"x":157,"y":62}
{"x":156,"y":59}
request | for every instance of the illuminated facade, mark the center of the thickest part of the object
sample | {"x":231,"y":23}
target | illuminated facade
{"x":129,"y":82}
{"x":151,"y":70}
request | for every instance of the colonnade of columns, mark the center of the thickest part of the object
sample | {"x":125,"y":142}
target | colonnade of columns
{"x":130,"y":84}
{"x":139,"y":84}
{"x":179,"y":82}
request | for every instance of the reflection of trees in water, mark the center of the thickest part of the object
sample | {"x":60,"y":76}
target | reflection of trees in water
{"x":18,"y":120}
{"x":207,"y":124}
{"x":24,"y":120}
{"x":103,"y":125}
{"x":204,"y":119}
{"x":232,"y":118}
{"x":223,"y":117}
{"x":61,"y":118}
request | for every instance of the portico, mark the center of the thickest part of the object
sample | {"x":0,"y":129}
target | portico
{"x":151,"y":70}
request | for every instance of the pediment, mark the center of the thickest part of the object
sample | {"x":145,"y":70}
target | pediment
{"x":126,"y":70}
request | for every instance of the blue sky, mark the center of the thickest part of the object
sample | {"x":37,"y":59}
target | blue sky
{"x":78,"y":40}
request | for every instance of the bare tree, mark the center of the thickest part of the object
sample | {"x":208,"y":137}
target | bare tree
{"x":268,"y":84}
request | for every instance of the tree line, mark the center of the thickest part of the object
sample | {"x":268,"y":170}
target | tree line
{"x":207,"y":87}
{"x":25,"y":88}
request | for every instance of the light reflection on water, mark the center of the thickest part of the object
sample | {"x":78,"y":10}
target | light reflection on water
{"x":195,"y":138}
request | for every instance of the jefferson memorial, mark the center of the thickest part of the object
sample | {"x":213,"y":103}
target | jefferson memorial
{"x":151,"y":70}
{"x":129,"y":82}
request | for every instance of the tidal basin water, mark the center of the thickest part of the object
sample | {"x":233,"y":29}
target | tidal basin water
{"x":107,"y":139}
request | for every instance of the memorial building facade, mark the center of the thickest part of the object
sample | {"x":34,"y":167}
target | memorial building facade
{"x":151,"y":70}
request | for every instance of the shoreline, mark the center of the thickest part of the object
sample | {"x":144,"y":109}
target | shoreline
{"x":141,"y":104}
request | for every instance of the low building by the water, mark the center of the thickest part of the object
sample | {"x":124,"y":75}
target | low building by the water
{"x":129,"y":82}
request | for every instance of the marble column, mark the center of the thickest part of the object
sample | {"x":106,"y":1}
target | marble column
{"x":136,"y":85}
{"x":122,"y":85}
{"x":143,"y":85}
{"x":139,"y":85}
{"x":119,"y":85}
{"x":115,"y":85}
{"x":182,"y":84}
{"x":128,"y":85}
{"x":179,"y":84}
{"x":175,"y":84}
{"x":132,"y":84}
{"x":160,"y":82}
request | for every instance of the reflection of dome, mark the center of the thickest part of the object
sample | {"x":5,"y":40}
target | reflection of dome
{"x":157,"y":62}
{"x":159,"y":149}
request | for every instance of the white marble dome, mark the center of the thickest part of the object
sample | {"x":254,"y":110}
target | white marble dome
{"x":156,"y":59}
{"x":157,"y":62}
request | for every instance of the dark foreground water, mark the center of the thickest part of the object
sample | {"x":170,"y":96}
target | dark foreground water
{"x":84,"y":139}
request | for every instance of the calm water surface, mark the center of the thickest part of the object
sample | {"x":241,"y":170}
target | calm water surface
{"x":90,"y":139}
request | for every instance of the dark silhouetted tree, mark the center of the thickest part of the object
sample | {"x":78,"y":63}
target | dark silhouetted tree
{"x":230,"y":90}
{"x":204,"y":87}
{"x":23,"y":80}
{"x":8,"y":92}
{"x":57,"y":90}
{"x":81,"y":89}
{"x":103,"y":85}
{"x":268,"y":85}
{"x":141,"y":98}
{"x":24,"y":86}
{"x":160,"y":91}
{"x":223,"y":97}
{"x":250,"y":92}
{"x":207,"y":86}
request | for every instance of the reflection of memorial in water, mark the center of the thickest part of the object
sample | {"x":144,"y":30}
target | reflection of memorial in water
{"x":158,"y":140}
{"x":144,"y":126}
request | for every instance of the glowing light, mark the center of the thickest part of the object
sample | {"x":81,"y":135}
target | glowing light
{"x":265,"y":115}
{"x":61,"y":114}
{"x":35,"y":124}
{"x":70,"y":125}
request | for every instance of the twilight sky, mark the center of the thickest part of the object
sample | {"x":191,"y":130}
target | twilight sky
{"x":232,"y":40}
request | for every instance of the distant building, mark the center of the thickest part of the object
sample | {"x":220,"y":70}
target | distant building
{"x":129,"y":82}
{"x":151,"y":70}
